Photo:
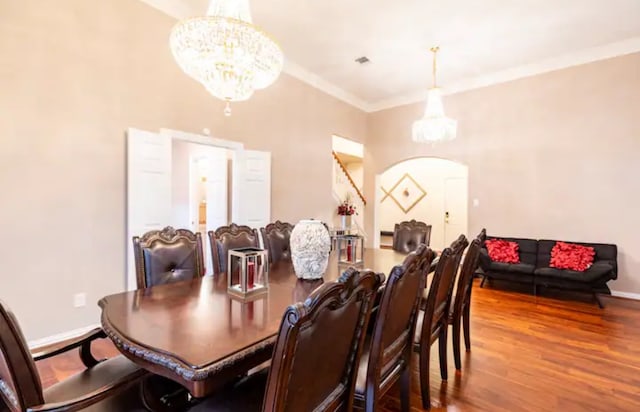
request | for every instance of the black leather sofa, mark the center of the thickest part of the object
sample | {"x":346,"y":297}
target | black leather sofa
{"x":534,"y":269}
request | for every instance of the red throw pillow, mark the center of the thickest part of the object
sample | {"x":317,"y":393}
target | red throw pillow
{"x":572,"y":257}
{"x":503,"y":251}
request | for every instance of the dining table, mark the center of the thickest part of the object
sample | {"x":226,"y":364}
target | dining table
{"x":196,"y":334}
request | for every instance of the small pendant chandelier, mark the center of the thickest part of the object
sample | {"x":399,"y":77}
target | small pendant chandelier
{"x":434,"y":126}
{"x":225,"y":52}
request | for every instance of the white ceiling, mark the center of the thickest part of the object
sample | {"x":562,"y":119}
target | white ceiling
{"x":482,"y":41}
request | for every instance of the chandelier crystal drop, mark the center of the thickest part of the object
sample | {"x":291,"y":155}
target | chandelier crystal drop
{"x":225,"y":52}
{"x":435,"y":125}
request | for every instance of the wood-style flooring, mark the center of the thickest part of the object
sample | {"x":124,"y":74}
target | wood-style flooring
{"x":528,"y":354}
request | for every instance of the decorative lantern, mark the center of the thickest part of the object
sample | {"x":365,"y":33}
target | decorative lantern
{"x":350,"y":249}
{"x":247,"y":272}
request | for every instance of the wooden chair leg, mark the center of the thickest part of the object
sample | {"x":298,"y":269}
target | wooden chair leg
{"x":484,"y":279}
{"x":466,"y":317}
{"x":442,"y":342}
{"x":405,"y":387}
{"x":455,"y":338}
{"x":425,"y":388}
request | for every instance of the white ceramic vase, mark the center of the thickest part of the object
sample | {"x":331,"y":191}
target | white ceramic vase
{"x":310,"y":245}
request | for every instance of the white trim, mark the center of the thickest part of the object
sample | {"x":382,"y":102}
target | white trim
{"x":201,"y":139}
{"x":313,"y":80}
{"x":60,"y":336}
{"x":561,"y":62}
{"x":626,"y":295}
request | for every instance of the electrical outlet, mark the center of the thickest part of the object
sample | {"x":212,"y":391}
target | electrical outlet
{"x":476,"y":202}
{"x":79,"y":300}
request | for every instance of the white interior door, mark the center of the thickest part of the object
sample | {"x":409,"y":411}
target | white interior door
{"x":455,"y":206}
{"x":251,"y":188}
{"x":216,"y":187}
{"x":148,"y":188}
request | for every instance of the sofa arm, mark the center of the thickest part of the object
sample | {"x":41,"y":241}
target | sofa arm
{"x":612,"y":263}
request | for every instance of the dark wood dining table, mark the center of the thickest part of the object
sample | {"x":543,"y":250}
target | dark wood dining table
{"x":196,"y":334}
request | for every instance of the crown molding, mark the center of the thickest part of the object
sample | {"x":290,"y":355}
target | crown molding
{"x":295,"y":70}
{"x":561,"y":62}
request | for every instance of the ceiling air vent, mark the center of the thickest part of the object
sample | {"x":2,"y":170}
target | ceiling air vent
{"x":363,"y":60}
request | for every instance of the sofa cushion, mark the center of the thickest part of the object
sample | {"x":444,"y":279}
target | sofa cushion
{"x":606,"y":252}
{"x":571,"y":256}
{"x":503,"y":251}
{"x":596,"y":271}
{"x":527,"y":248}
{"x":523,"y":268}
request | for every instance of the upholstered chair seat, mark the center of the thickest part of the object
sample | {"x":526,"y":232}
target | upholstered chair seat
{"x":104,"y":386}
{"x":407,"y":236}
{"x":167,"y":256}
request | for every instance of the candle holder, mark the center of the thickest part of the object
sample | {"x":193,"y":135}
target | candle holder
{"x":247,"y":272}
{"x":350,"y":249}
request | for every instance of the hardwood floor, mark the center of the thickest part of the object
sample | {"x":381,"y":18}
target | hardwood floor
{"x":528,"y":354}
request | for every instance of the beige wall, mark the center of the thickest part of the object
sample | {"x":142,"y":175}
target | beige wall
{"x":74,"y":74}
{"x":551,"y":156}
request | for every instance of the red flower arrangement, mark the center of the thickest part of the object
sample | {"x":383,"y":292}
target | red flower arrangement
{"x":346,"y":209}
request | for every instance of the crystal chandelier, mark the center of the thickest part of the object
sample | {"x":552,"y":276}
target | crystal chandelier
{"x":434,"y":126}
{"x":225,"y":52}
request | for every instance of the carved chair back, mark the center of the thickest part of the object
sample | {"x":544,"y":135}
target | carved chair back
{"x":407,"y":236}
{"x":392,"y":339}
{"x":465,"y":278}
{"x":459,"y":245}
{"x":168,"y":255}
{"x":20,"y":385}
{"x":482,"y":236}
{"x":315,"y":359}
{"x":276,"y":240}
{"x":229,"y":237}
{"x":438,"y":299}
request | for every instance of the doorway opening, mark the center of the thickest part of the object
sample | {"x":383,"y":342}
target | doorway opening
{"x":348,"y":181}
{"x":195,"y":182}
{"x":427,"y":189}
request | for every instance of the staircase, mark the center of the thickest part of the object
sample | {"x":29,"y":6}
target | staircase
{"x":345,"y":188}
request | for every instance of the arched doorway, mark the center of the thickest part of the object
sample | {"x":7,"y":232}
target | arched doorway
{"x":428,"y":189}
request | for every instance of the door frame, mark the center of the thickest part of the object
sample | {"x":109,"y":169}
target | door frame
{"x":172,"y":135}
{"x":202,"y":139}
{"x":378,"y":195}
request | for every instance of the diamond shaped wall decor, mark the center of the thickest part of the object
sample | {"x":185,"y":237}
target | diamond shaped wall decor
{"x":406,"y":193}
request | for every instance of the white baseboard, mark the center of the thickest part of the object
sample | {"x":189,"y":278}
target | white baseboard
{"x":60,"y":336}
{"x":626,"y":295}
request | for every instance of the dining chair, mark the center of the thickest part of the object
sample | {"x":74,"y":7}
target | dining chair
{"x":229,"y":237}
{"x":432,"y":322}
{"x":104,"y":386}
{"x":461,"y":307}
{"x":409,"y":234}
{"x":166,"y":256}
{"x":315,"y":359}
{"x":482,"y":236}
{"x":275,"y":237}
{"x":386,"y":357}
